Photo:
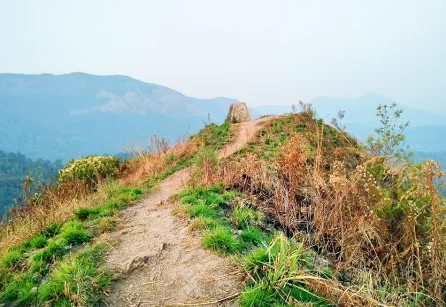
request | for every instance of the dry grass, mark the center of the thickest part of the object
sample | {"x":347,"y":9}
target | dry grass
{"x":371,"y":217}
{"x":57,"y":205}
{"x":146,"y":165}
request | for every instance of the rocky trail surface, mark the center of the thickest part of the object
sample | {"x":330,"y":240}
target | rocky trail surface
{"x":159,"y":261}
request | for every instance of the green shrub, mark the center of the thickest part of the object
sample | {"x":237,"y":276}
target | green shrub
{"x":90,"y":169}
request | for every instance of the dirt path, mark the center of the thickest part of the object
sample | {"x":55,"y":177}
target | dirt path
{"x":160,"y":262}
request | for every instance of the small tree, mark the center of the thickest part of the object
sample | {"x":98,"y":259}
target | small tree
{"x":390,"y":139}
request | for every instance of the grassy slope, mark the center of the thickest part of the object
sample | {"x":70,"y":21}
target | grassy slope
{"x":61,"y":265}
{"x":282,"y":270}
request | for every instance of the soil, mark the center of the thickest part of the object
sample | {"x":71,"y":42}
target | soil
{"x":159,"y":262}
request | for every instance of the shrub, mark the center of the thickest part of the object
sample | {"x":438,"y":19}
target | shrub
{"x":89,"y":170}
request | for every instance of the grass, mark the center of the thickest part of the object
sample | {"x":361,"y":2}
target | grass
{"x":203,"y":223}
{"x":210,"y":210}
{"x":60,"y":262}
{"x":243,"y":217}
{"x":118,"y":200}
{"x":58,"y":206}
{"x":252,"y":236}
{"x":106,"y":224}
{"x":74,"y":233}
{"x":279,"y":269}
{"x":77,"y":280}
{"x":11,"y":259}
{"x":221,"y":240}
{"x":202,"y":210}
{"x":39,"y":241}
{"x":153,"y":181}
{"x":215,"y":137}
{"x":279,"y":274}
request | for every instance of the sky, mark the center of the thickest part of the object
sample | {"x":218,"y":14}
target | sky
{"x":261,"y":52}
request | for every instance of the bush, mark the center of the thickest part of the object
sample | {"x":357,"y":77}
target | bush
{"x":90,"y":170}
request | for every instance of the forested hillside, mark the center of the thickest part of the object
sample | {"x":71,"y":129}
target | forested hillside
{"x":14,"y":167}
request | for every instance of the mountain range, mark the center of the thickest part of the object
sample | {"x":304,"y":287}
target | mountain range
{"x":77,"y":114}
{"x":72,"y":115}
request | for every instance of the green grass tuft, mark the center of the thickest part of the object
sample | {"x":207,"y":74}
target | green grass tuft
{"x":78,"y":279}
{"x":203,"y":223}
{"x":221,"y":240}
{"x":52,"y":230}
{"x":39,"y":241}
{"x":201,"y":210}
{"x":252,"y":236}
{"x":255,"y":296}
{"x":55,"y":249}
{"x":74,"y":233}
{"x":11,"y":259}
{"x":243,"y":217}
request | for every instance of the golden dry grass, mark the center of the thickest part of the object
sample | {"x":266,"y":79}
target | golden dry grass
{"x":58,"y":205}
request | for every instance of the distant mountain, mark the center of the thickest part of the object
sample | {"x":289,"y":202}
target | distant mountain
{"x":426,"y":132}
{"x":68,"y":116}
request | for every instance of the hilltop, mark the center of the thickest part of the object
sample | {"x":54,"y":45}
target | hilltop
{"x":68,"y":116}
{"x":285,"y":210}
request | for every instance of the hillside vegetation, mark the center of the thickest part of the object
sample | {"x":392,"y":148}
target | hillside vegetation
{"x":15,"y":169}
{"x":311,"y":216}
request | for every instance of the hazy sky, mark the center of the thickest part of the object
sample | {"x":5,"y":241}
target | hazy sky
{"x":262,"y":52}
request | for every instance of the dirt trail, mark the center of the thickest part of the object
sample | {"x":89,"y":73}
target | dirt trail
{"x":160,"y":262}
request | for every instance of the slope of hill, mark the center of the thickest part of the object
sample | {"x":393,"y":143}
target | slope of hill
{"x":67,"y":116}
{"x":307,"y":213}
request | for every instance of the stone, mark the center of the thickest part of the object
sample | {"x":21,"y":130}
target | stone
{"x":238,"y":113}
